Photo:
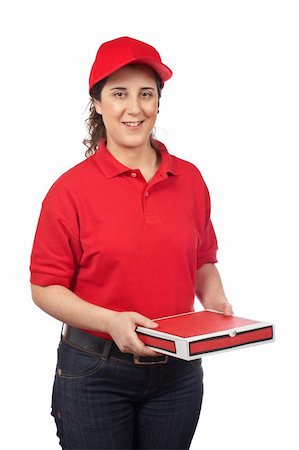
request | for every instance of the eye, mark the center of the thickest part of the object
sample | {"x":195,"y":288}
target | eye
{"x":146,"y":94}
{"x":119,"y":94}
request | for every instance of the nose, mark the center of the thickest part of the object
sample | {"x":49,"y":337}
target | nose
{"x":133,"y":106}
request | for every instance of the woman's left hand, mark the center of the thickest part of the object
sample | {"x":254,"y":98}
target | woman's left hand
{"x":224,"y":307}
{"x":209,"y":290}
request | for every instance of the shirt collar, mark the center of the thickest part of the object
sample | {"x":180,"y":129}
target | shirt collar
{"x":111,"y":167}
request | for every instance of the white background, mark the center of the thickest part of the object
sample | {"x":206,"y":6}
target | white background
{"x":232,"y":109}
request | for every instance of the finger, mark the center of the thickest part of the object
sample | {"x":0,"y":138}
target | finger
{"x":228,"y":310}
{"x":144,"y":321}
{"x":224,"y":308}
{"x":149,"y":352}
{"x":143,"y":350}
{"x":140,"y":349}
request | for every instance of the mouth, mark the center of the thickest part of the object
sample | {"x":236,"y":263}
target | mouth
{"x":135,"y":124}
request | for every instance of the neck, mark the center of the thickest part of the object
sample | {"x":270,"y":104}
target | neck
{"x":145,"y":158}
{"x":135,"y":158}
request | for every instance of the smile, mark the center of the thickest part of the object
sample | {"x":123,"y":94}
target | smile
{"x":133,"y":124}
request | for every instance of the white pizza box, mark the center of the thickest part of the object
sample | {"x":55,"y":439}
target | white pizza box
{"x":189,"y":336}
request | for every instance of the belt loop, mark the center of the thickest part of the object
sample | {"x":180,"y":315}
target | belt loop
{"x":107,"y":349}
{"x":61,"y":332}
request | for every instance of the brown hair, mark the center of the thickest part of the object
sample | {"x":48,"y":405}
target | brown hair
{"x":95,"y":124}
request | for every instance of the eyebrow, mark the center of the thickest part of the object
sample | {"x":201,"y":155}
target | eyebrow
{"x":124,"y":88}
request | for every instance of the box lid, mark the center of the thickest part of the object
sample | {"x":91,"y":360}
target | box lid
{"x":196,"y":324}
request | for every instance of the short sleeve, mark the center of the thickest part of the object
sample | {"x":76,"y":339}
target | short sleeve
{"x":207,"y":250}
{"x":56,"y":251}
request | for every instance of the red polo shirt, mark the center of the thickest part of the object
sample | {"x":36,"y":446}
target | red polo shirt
{"x":122,"y":243}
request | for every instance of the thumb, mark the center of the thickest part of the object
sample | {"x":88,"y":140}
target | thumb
{"x":146,"y":322}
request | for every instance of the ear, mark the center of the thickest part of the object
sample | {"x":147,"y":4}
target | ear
{"x":97,"y":106}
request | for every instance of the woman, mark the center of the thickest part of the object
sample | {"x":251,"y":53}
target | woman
{"x":125,"y":237}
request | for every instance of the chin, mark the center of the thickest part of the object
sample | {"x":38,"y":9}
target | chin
{"x":134,"y":141}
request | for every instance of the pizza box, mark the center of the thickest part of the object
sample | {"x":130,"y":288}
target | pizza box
{"x":189,"y":336}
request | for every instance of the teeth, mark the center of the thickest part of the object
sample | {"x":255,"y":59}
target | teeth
{"x":133,"y":124}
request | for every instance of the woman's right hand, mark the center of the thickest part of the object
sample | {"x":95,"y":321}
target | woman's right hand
{"x":64,"y":305}
{"x":121,"y":327}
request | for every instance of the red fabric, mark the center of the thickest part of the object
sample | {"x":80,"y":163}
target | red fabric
{"x":113,"y":55}
{"x":121,"y":243}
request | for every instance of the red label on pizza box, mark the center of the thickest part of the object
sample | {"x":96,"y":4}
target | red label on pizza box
{"x":191,"y":335}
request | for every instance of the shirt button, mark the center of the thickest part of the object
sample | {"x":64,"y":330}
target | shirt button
{"x":133,"y":174}
{"x":146,"y":194}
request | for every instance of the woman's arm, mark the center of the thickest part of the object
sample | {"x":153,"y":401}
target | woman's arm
{"x":209,"y":290}
{"x":64,"y":305}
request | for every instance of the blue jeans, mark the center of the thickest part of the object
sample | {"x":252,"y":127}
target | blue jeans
{"x":99,"y":403}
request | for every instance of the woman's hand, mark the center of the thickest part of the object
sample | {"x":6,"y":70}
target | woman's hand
{"x":224,"y":307}
{"x":67,"y":307}
{"x":121,"y":327}
{"x":209,"y":290}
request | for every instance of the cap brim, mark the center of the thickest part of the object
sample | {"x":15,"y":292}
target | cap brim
{"x":161,"y":69}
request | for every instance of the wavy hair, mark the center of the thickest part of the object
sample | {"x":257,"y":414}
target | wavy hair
{"x":94,"y":123}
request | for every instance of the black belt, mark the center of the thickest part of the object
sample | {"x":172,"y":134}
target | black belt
{"x":105,"y":348}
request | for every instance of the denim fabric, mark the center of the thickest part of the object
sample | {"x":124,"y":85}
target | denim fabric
{"x":101,"y":403}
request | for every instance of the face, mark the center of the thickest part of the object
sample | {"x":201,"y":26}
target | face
{"x":129,"y":107}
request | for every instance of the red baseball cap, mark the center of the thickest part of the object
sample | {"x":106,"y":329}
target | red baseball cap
{"x":113,"y":55}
